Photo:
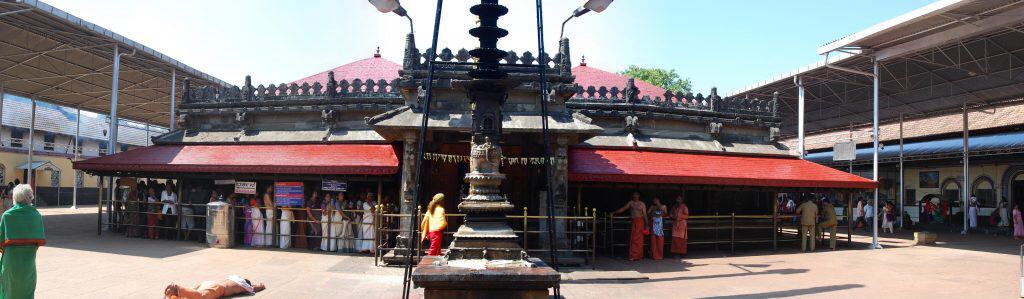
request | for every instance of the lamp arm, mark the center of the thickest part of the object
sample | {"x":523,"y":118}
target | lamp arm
{"x":562,"y":32}
{"x":411,"y":30}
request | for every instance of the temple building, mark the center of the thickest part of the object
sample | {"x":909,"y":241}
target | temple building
{"x":611,"y":136}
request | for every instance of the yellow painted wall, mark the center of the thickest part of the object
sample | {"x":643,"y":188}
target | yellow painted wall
{"x":993,"y":171}
{"x":12,"y":160}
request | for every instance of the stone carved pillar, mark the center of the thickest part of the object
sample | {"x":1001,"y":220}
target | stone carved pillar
{"x":560,"y":183}
{"x":408,"y":207}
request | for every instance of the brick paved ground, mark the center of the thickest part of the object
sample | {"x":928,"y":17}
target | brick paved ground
{"x":78,"y":264}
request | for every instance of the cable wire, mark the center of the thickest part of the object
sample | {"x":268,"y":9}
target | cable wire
{"x":549,"y":196}
{"x":418,"y":186}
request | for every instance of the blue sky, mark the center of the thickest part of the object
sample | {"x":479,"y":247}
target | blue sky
{"x":725,"y":43}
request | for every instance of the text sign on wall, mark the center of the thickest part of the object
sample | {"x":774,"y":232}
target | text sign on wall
{"x":288,"y":194}
{"x":245,"y":187}
{"x":844,"y":151}
{"x":334,"y":185}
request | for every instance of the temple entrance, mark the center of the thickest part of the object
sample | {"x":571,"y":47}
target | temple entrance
{"x":951,"y":198}
{"x":1017,"y":189}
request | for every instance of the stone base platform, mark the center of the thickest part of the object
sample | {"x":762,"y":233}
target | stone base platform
{"x":455,"y":282}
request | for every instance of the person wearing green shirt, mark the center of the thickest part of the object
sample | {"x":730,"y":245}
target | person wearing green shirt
{"x":21,"y":234}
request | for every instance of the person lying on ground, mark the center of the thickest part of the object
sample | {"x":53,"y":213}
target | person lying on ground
{"x":233,"y":285}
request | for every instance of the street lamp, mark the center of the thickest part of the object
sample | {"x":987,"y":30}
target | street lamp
{"x":386,"y":6}
{"x":591,"y":5}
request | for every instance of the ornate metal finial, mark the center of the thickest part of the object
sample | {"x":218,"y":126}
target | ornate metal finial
{"x":411,"y":58}
{"x":187,"y":96}
{"x":583,"y":60}
{"x":248,"y":89}
{"x":775,"y":103}
{"x":565,"y":65}
{"x":377,"y":54}
{"x":631,"y":91}
{"x":488,"y":33}
{"x":332,"y":85}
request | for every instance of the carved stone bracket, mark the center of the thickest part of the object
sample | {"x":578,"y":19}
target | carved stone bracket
{"x":715,"y":128}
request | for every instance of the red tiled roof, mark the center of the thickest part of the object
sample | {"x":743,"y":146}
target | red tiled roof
{"x":588,"y":76}
{"x":337,"y":159}
{"x":375,"y":68}
{"x":636,"y":166}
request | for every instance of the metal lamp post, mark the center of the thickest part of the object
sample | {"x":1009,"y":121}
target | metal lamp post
{"x":590,"y":5}
{"x":386,"y":6}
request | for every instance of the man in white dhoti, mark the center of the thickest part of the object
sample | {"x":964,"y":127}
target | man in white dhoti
{"x":366,"y":232}
{"x":346,"y":237}
{"x":285,"y":231}
{"x":268,"y":205}
{"x":258,"y":226}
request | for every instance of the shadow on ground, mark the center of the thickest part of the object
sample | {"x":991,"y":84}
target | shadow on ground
{"x":792,"y":293}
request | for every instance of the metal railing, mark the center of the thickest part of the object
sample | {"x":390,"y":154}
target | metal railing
{"x":720,"y":230}
{"x":581,"y":233}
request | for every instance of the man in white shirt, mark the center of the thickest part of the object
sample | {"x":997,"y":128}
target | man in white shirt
{"x":170,"y":208}
{"x":869,"y":217}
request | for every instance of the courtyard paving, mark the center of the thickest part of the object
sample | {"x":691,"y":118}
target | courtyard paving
{"x":76,"y":263}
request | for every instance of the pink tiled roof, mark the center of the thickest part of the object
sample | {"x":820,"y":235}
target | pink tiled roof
{"x":375,"y":68}
{"x":588,"y":76}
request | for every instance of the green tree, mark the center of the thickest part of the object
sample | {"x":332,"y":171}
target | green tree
{"x":664,"y":78}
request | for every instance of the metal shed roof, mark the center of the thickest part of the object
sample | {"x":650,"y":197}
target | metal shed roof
{"x":59,"y":58}
{"x":1011,"y":141}
{"x":932,"y":61}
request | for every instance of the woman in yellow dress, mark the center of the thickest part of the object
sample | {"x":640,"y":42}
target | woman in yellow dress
{"x":434,"y":223}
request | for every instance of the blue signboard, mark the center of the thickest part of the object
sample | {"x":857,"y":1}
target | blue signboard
{"x":334,"y":185}
{"x":288,"y":194}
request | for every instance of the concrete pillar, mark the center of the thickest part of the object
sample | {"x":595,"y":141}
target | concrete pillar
{"x":902,"y":191}
{"x":965,"y":187}
{"x":30,"y":179}
{"x":174,"y":77}
{"x":75,"y":149}
{"x":800,"y":116}
{"x":874,"y":160}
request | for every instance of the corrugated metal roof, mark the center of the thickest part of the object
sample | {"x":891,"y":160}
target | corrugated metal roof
{"x":991,"y":142}
{"x":61,"y":120}
{"x":57,"y":57}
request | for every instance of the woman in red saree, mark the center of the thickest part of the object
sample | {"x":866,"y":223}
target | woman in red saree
{"x":680,"y":213}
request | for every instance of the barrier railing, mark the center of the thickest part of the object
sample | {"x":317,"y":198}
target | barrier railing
{"x":580,"y":232}
{"x":138,"y":218}
{"x":722,"y":229}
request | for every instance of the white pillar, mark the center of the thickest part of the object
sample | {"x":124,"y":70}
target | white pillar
{"x":874,"y":161}
{"x":2,"y":92}
{"x":30,"y":179}
{"x":800,"y":116}
{"x":112,"y":135}
{"x":173,"y":88}
{"x":902,"y":190}
{"x":965,"y":188}
{"x":147,"y":134}
{"x":78,"y":131}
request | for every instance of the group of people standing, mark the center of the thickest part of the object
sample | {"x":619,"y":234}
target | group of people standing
{"x":330,"y":222}
{"x":651,"y":221}
{"x":815,"y":218}
{"x":150,"y":209}
{"x":865,"y":215}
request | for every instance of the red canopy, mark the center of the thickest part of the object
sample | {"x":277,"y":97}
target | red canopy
{"x":636,"y":166}
{"x":335,"y":159}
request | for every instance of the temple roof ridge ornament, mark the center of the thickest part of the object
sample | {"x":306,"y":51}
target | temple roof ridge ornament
{"x":588,"y":96}
{"x":330,"y":91}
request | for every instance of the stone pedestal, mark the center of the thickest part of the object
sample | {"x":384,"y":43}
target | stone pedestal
{"x":457,"y":282}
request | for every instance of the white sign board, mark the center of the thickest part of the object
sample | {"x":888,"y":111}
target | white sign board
{"x":334,"y":185}
{"x":844,"y":151}
{"x":224,"y":182}
{"x":245,"y":187}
